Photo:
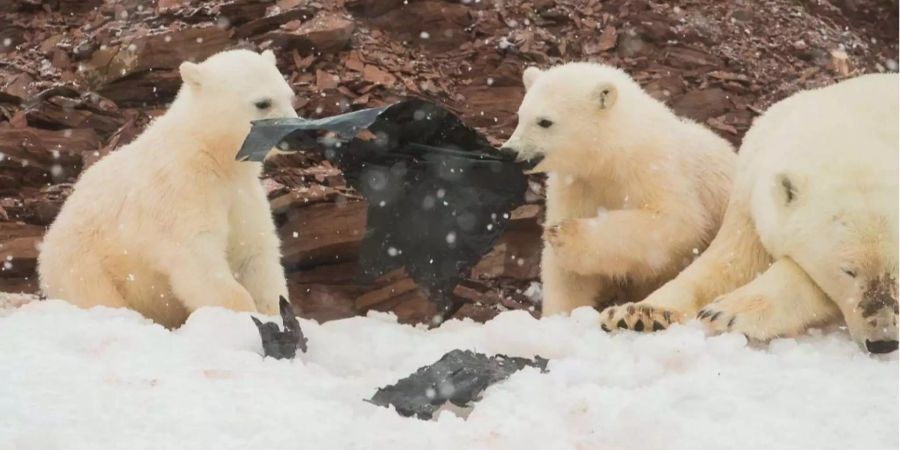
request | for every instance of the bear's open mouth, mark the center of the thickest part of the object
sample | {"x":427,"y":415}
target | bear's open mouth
{"x":529,"y":164}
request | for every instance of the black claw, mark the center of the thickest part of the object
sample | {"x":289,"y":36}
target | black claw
{"x":731,"y":323}
{"x":639,"y":326}
{"x":658,"y":326}
{"x":604,"y":327}
{"x":667,"y":316}
{"x":715,"y":316}
{"x":702,"y":314}
{"x":622,"y":324}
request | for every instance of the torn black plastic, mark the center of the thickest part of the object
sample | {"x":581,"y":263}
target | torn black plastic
{"x":459,"y":377}
{"x":439,"y":195}
{"x":282,"y":344}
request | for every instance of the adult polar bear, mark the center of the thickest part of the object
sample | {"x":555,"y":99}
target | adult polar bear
{"x":171,"y":222}
{"x":811,"y":228}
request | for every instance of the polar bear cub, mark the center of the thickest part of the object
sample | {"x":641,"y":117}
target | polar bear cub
{"x":171,"y":222}
{"x":633,"y":191}
{"x":810,"y":234}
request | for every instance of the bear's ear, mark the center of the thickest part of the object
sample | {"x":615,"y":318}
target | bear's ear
{"x":606,"y":94}
{"x":786,"y":188}
{"x":529,"y":76}
{"x":191,"y":74}
{"x":269,"y":56}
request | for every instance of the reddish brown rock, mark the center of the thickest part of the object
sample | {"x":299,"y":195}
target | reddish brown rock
{"x":326,"y":233}
{"x":436,"y":25}
{"x":325,"y":33}
{"x":18,"y":249}
{"x":153,"y":52}
{"x":62,"y":112}
{"x":702,"y":104}
{"x":272,"y":22}
{"x":373,"y":8}
{"x":378,"y":76}
{"x":56,"y":153}
{"x":143,"y":89}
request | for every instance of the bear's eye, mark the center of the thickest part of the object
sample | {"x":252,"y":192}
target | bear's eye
{"x":850,"y":272}
{"x":263,"y":104}
{"x":544,"y":123}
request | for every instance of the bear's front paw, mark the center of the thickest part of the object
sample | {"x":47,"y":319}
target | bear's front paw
{"x":638,"y":317}
{"x":568,"y":244}
{"x":562,"y":235}
{"x":716,"y":319}
{"x":739,"y":313}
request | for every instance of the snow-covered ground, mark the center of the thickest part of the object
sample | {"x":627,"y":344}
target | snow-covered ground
{"x":109,"y":379}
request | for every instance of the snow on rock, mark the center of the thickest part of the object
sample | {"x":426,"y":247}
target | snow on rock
{"x":110,"y":379}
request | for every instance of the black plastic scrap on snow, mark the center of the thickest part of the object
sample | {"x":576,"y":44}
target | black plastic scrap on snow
{"x":282,"y":344}
{"x":439,"y":195}
{"x":459,"y":377}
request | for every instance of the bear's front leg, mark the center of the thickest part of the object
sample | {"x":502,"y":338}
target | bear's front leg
{"x":622,"y":243}
{"x":260,"y":271}
{"x":733,"y":258}
{"x":783,"y":301}
{"x":255,"y":250}
{"x":201,"y":276}
{"x":565,"y":290}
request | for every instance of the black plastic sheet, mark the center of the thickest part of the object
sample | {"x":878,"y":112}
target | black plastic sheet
{"x":459,"y":377}
{"x":439,"y":195}
{"x":282,"y":344}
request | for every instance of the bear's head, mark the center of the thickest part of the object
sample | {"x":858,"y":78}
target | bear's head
{"x":221,"y":96}
{"x":577,"y":116}
{"x":850,"y":222}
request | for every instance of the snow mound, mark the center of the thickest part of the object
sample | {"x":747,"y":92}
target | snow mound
{"x":102,"y":378}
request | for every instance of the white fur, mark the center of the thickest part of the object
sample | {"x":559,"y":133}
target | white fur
{"x":632,"y":189}
{"x":815,"y":202}
{"x":171,"y":222}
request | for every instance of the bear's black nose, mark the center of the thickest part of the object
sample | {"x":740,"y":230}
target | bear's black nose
{"x":881,"y":346}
